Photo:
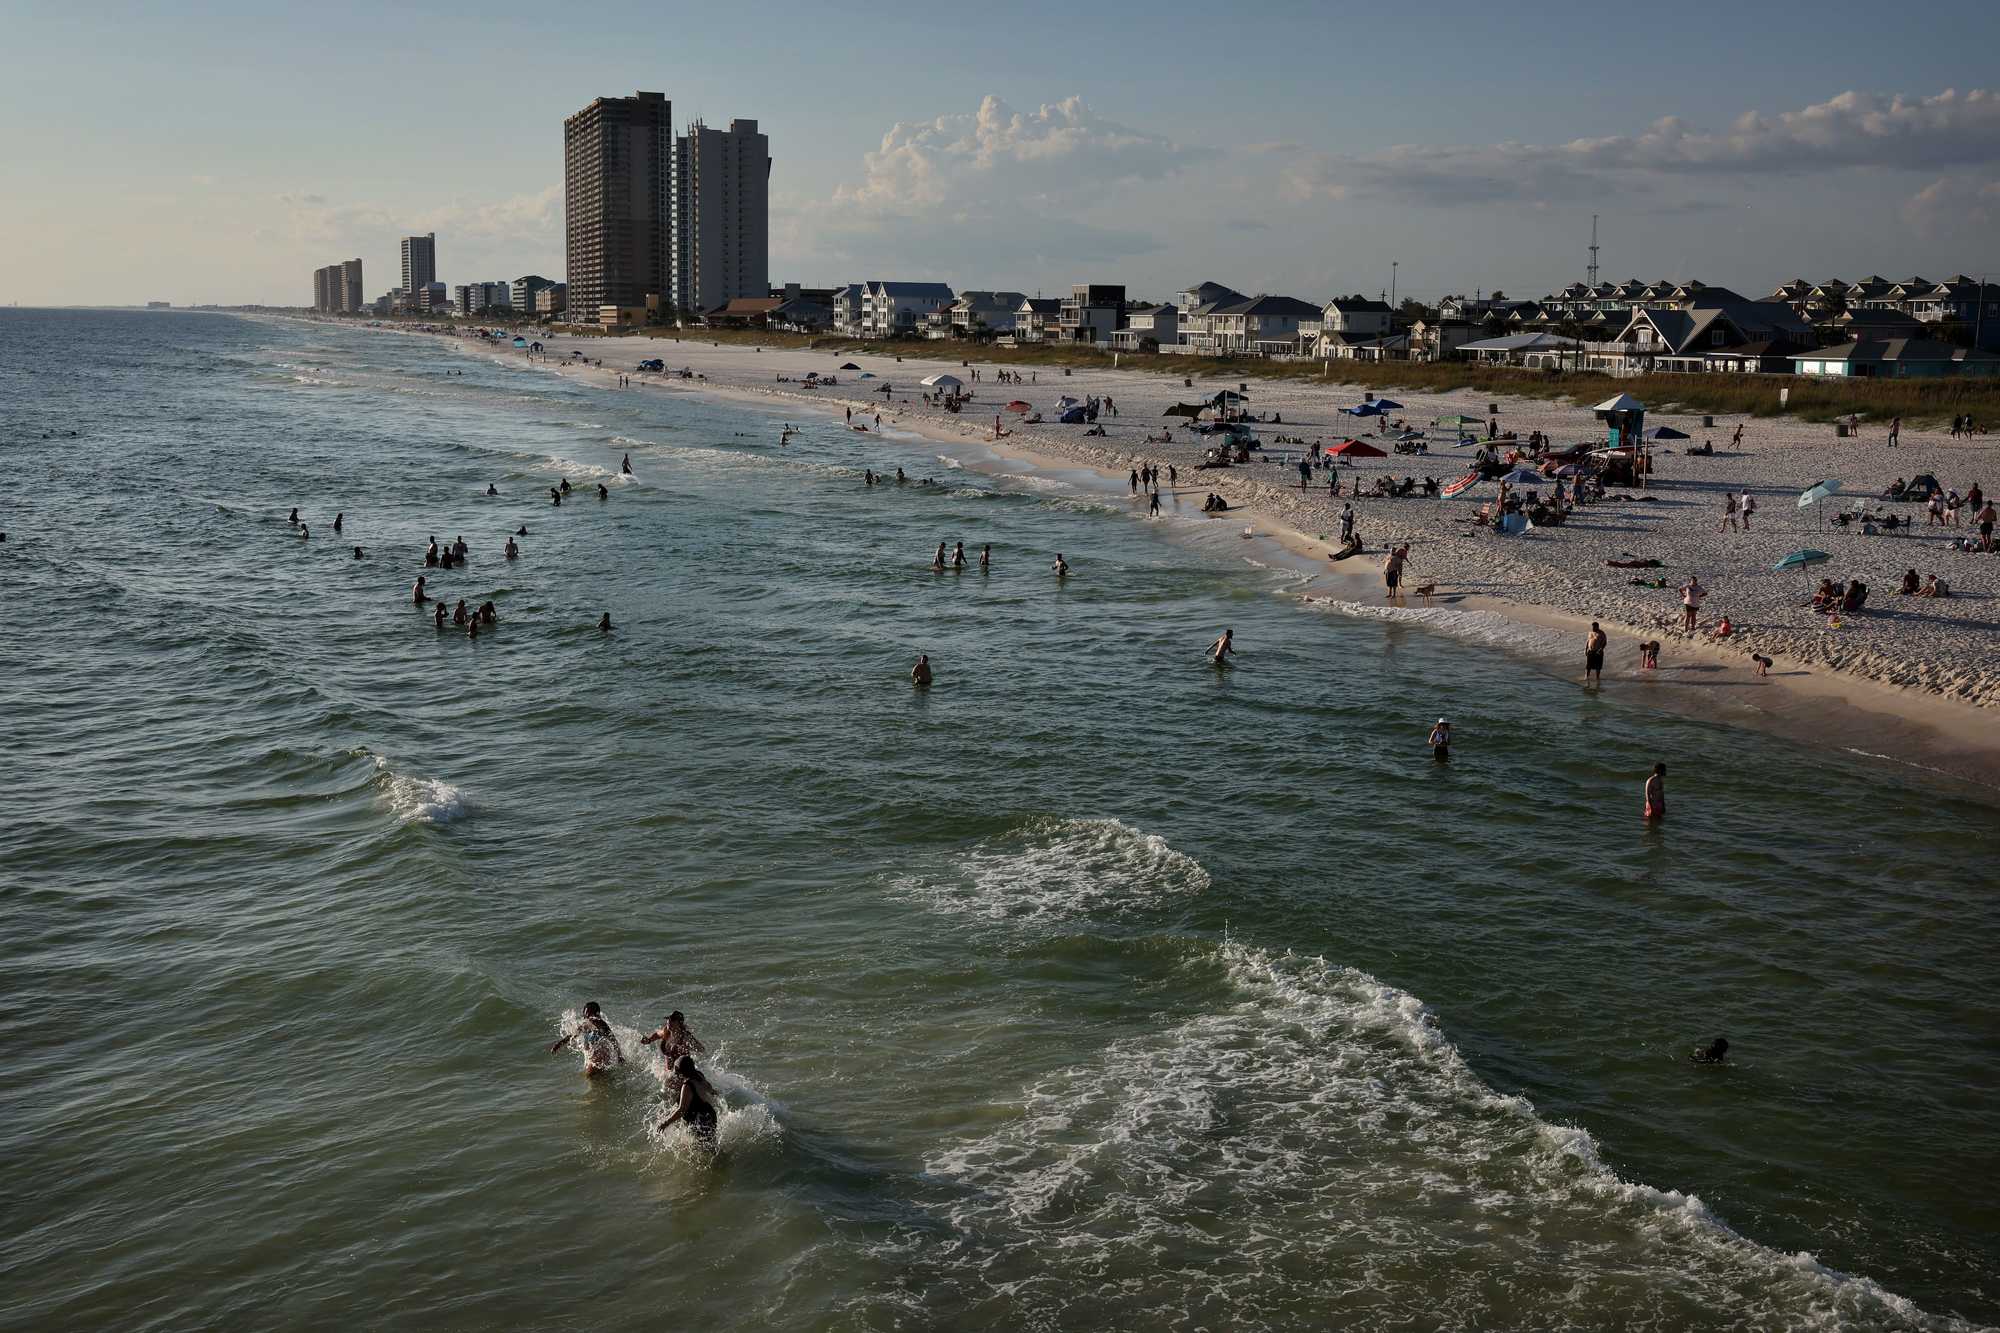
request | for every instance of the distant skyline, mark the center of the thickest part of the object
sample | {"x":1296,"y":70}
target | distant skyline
{"x":222,"y":153}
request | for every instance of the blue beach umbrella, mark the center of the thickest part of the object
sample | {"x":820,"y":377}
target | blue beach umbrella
{"x":1800,"y":559}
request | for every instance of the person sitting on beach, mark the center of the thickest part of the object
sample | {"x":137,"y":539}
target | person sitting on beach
{"x":1910,"y":583}
{"x":695,"y":1105}
{"x":1855,"y":597}
{"x":1825,"y":597}
{"x":1723,"y":628}
{"x":1714,"y":1053}
{"x":1061,"y":566}
{"x":1934,"y":587}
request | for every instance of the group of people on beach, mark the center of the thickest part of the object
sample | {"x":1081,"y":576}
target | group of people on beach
{"x":696,"y":1103}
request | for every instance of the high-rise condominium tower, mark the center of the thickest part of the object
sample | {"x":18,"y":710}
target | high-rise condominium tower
{"x":419,"y":261}
{"x":722,"y":216}
{"x":617,"y":159}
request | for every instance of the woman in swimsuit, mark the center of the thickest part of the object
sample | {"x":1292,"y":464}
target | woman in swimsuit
{"x":592,"y":1035}
{"x":1656,"y":793}
{"x":675,"y":1041}
{"x":696,"y":1106}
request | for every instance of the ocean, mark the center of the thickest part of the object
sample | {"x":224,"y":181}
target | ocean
{"x":1091,"y":988}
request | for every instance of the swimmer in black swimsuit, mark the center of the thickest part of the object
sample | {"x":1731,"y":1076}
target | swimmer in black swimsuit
{"x":1715,"y":1053}
{"x":697,"y":1102}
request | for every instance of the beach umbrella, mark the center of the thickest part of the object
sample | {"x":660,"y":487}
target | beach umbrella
{"x":1364,"y":410}
{"x":1408,"y":435}
{"x":1817,"y":494}
{"x":942,"y":381}
{"x":1462,"y":485}
{"x":1523,"y":476}
{"x":867,"y":374}
{"x":849,"y":365}
{"x":1665,"y":433}
{"x":1624,"y":402}
{"x":1356,"y":449}
{"x":1018,"y":406}
{"x":1800,"y":559}
{"x":1185,"y":410}
{"x":1385,"y":405}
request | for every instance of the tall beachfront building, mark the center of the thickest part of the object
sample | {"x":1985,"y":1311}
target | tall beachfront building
{"x":420,"y":268}
{"x":351,"y":299}
{"x":618,"y":157}
{"x":721,"y":214}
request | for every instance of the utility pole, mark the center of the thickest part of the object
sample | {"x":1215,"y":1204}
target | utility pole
{"x":1392,"y":282}
{"x":1593,"y":252}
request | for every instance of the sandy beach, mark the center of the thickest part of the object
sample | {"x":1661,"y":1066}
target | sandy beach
{"x":1914,"y":677}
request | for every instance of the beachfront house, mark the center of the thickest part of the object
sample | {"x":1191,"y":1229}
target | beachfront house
{"x":898,"y":309}
{"x":1194,"y":318}
{"x":1898,"y":358}
{"x":847,"y":308}
{"x":1261,"y":325}
{"x":1035,"y":319}
{"x":1960,"y":300}
{"x":742,"y":312}
{"x":1345,"y":326}
{"x":1091,"y":313}
{"x":1147,"y":329}
{"x":984,"y":314}
{"x":1868,"y":324}
{"x":1439,"y":339}
{"x":1671,"y":339}
{"x":801,"y":314}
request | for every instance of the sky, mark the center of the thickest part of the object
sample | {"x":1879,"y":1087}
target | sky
{"x":219,"y":153}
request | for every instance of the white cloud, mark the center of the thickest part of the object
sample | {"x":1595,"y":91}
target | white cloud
{"x":1851,"y":130}
{"x":1950,"y":206}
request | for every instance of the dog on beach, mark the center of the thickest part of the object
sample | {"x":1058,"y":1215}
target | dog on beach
{"x":1426,"y":591}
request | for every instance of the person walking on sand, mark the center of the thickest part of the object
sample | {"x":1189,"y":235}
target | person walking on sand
{"x":920,"y":674}
{"x":1392,"y":571}
{"x":1747,"y":507}
{"x":1347,"y":524}
{"x":1655,"y":795}
{"x":1895,"y":431}
{"x":1593,"y":655}
{"x":1736,"y":440}
{"x":1728,"y":511}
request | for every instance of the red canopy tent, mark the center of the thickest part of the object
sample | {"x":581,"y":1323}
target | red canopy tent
{"x":1356,"y":449}
{"x":1018,"y":406}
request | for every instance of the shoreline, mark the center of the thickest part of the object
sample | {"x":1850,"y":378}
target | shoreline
{"x":1945,"y":736}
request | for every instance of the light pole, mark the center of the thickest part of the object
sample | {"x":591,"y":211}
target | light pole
{"x":1392,"y":282}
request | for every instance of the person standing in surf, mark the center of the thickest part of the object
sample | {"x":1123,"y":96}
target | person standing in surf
{"x":958,"y":556}
{"x":1593,"y":655}
{"x":1656,"y":794}
{"x":1392,"y":571}
{"x":920,"y":674}
{"x":592,"y":1035}
{"x":1219,"y":652}
{"x":1440,"y":741}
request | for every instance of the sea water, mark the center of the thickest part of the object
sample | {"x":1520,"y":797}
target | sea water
{"x":1091,"y":988}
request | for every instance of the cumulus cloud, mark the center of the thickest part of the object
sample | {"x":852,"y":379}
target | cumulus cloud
{"x":997,"y":153}
{"x":1949,"y":206}
{"x":1854,"y":129}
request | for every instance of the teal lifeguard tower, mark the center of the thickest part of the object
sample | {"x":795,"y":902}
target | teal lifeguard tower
{"x":1624,"y":419}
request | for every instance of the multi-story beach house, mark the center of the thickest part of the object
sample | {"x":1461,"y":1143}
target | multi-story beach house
{"x":894,"y":309}
{"x":527,"y":288}
{"x":1260,"y":325}
{"x":1898,"y":358}
{"x":983,"y":314}
{"x":1194,"y":314}
{"x":1348,"y":328}
{"x":846,"y":304}
{"x":1091,"y":313}
{"x":1035,"y":319}
{"x":1150,"y":328}
{"x":1731,"y":334}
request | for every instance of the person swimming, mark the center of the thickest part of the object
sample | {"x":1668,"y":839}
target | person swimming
{"x":294,"y":519}
{"x":602,"y":493}
{"x":457,"y":612}
{"x":472,"y":627}
{"x":304,"y":532}
{"x":417,"y":593}
{"x":521,"y":531}
{"x":986,"y":558}
{"x":431,"y":555}
{"x":593,"y":1036}
{"x":439,"y":617}
{"x":901,"y":480}
{"x":920,"y":674}
{"x":357,"y":553}
{"x":555,"y":497}
{"x":695,"y":1104}
{"x":675,"y":1043}
{"x":604,"y":623}
{"x":1715,"y":1053}
{"x":513,"y":551}
{"x":487,"y":614}
{"x":958,"y":556}
{"x":565,"y":485}
{"x":459,"y":548}
{"x":1656,"y":793}
{"x":338,"y":519}
{"x":491,"y":489}
{"x":626,"y":466}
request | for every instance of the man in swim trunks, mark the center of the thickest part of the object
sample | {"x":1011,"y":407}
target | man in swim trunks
{"x":1220,"y":650}
{"x":958,"y":556}
{"x":1593,"y":655}
{"x":1392,"y":570}
{"x":1061,"y":566}
{"x":1656,"y":793}
{"x":593,"y":1036}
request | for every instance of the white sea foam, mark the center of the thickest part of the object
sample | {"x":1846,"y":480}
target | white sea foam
{"x":1482,"y":627}
{"x":418,"y":800}
{"x":1053,"y":869}
{"x":1317,"y":1123}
